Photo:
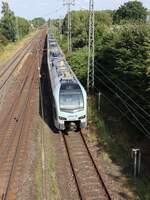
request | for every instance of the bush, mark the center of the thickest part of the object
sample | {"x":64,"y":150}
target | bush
{"x":3,"y":41}
{"x":79,"y":63}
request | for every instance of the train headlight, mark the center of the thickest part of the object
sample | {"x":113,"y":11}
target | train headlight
{"x":82,"y":117}
{"x":62,"y":118}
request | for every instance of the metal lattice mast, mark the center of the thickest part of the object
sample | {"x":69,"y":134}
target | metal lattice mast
{"x":17,"y":29}
{"x":60,"y":28}
{"x":90,"y":75}
{"x":69,"y":3}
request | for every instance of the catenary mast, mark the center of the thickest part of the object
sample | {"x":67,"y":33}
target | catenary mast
{"x":69,"y":3}
{"x":90,"y":75}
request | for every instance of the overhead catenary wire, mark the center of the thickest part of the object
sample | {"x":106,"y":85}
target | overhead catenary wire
{"x":116,"y":94}
{"x":52,"y":12}
{"x":123,"y":92}
{"x":131,"y":107}
{"x":145,"y":129}
{"x":130,"y":120}
{"x":123,"y":114}
{"x":125,"y":84}
{"x":147,"y":132}
{"x":84,"y":4}
{"x":127,"y":104}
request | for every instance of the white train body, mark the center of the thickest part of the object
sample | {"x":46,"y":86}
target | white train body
{"x":69,"y":96}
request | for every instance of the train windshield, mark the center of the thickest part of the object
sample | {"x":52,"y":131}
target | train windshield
{"x":71,"y":98}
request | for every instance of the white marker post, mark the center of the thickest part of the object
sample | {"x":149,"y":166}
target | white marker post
{"x":136,"y":155}
{"x":99,"y":101}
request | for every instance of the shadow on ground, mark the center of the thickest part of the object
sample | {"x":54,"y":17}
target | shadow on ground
{"x":45,"y":94}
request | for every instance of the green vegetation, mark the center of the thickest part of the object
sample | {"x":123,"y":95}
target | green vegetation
{"x":122,"y":57}
{"x":23,"y":27}
{"x":3,"y":41}
{"x":7,"y":23}
{"x":131,"y":11}
{"x":78,"y":61}
{"x":80,"y":26}
{"x":50,"y":181}
{"x":114,"y":144}
{"x":78,"y":58}
{"x":122,"y":71}
{"x":37,"y":22}
{"x":105,"y":138}
{"x":14,"y":28}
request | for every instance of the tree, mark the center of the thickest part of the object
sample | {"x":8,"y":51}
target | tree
{"x":78,"y":62}
{"x":37,"y":22}
{"x":23,"y":26}
{"x":124,"y":55}
{"x":8,"y":23}
{"x":80,"y":25}
{"x":79,"y":28}
{"x":130,"y":11}
{"x":122,"y":70}
{"x":3,"y":41}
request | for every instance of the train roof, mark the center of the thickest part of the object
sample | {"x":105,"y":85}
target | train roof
{"x":63,"y":71}
{"x":60,"y":68}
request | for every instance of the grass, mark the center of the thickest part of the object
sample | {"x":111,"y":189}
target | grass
{"x":50,"y":163}
{"x":38,"y":174}
{"x":115,"y":145}
{"x":8,"y":51}
{"x":51,"y":173}
{"x":104,"y":135}
{"x":50,"y":169}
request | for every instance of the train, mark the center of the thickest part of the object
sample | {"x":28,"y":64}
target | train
{"x":69,"y":98}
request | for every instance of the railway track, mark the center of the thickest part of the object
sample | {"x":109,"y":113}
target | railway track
{"x":14,"y":135}
{"x":88,"y":179}
{"x":12,"y":65}
{"x":19,"y":87}
{"x":44,"y":192}
{"x":12,"y":111}
{"x":13,"y":153}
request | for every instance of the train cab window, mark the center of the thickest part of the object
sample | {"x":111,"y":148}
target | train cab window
{"x":71,"y":98}
{"x":55,"y":54}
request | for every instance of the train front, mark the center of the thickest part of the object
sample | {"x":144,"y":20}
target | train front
{"x":72,"y":106}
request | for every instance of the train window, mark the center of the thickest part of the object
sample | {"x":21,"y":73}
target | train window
{"x":71,"y":101}
{"x":69,"y":87}
{"x":55,"y":54}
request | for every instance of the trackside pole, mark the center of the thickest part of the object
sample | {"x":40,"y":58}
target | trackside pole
{"x":99,"y":101}
{"x":136,"y":156}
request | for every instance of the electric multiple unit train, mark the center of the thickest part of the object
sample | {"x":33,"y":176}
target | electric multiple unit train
{"x":69,"y":96}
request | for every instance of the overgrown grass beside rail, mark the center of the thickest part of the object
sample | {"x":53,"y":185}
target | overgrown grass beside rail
{"x":116,"y":146}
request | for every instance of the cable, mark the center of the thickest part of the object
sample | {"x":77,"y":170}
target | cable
{"x":119,"y":96}
{"x":85,"y":5}
{"x":126,"y":85}
{"x":127,"y":107}
{"x":145,"y":129}
{"x":128,"y":118}
{"x":52,"y":12}
{"x":124,"y":93}
{"x":131,"y":107}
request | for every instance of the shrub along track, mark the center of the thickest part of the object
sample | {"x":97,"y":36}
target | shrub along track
{"x":16,"y":121}
{"x":87,"y":177}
